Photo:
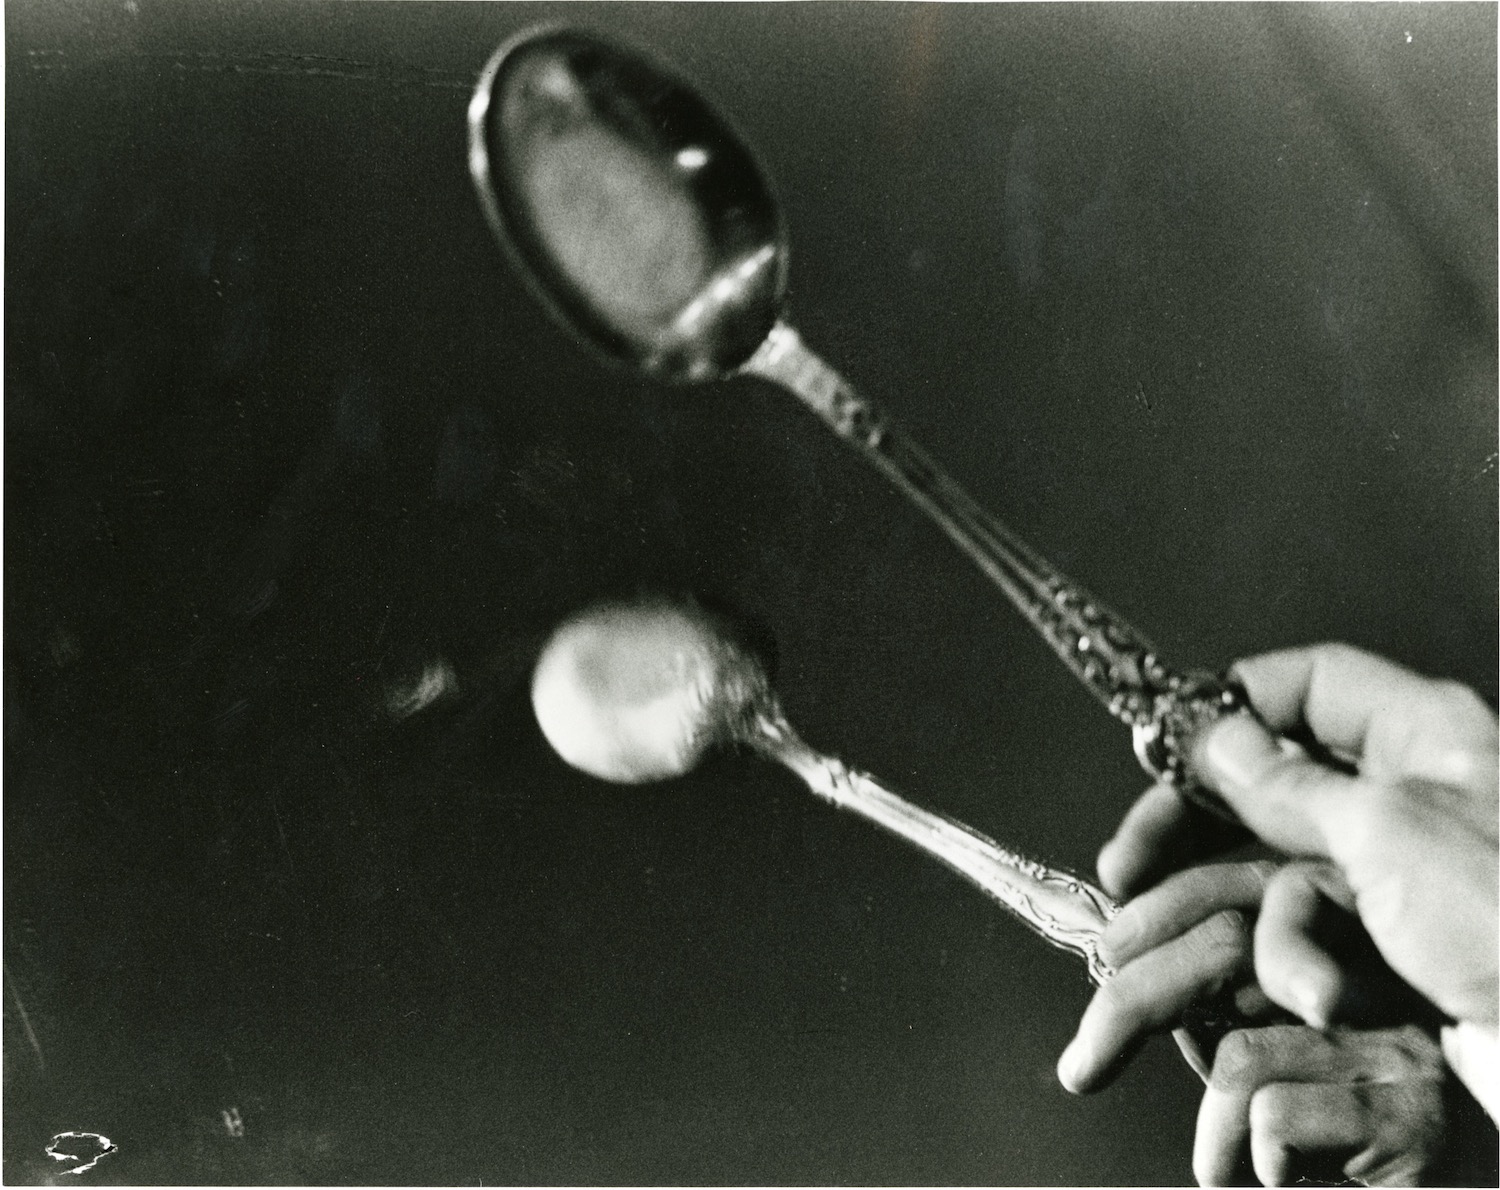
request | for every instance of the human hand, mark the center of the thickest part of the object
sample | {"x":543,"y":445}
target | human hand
{"x":1370,"y":1101}
{"x":1189,"y":943}
{"x":1184,"y":942}
{"x":1409,"y":841}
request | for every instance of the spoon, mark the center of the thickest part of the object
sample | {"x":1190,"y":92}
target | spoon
{"x":638,"y":692}
{"x":642,"y":221}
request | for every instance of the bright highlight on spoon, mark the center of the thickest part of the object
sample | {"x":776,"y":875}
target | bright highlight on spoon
{"x":637,"y":692}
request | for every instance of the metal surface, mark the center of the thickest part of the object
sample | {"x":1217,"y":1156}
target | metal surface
{"x":1164,"y":708}
{"x":554,"y":92}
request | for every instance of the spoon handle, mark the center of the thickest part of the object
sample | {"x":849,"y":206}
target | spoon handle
{"x":1065,"y":910}
{"x":1120,"y":667}
{"x":1068,"y":912}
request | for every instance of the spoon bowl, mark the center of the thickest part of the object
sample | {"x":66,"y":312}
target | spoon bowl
{"x":641,"y":219}
{"x":642,"y":691}
{"x":631,"y":205}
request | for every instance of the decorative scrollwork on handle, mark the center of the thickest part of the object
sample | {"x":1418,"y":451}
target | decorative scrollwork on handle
{"x":1164,"y":708}
{"x":1122,"y":669}
{"x":785,"y":359}
{"x":1119,"y":666}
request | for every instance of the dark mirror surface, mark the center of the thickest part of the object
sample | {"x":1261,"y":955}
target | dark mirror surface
{"x":299,"y":475}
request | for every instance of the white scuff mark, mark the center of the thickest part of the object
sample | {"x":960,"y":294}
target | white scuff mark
{"x":31,"y":1037}
{"x":437,"y":680}
{"x":1408,"y":37}
{"x":106,"y":1147}
{"x":234,"y":1124}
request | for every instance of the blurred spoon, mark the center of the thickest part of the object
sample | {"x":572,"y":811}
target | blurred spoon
{"x":638,"y":692}
{"x":640,"y":218}
{"x":642,"y":691}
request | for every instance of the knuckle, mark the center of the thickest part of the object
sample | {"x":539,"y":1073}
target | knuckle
{"x":1118,"y":998}
{"x":1248,"y":1059}
{"x":1272,"y":1112}
{"x":1225,"y":939}
{"x":1461,"y":702}
{"x":1418,"y":1051}
{"x":1338,"y":652}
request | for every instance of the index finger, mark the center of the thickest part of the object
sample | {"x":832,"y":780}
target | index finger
{"x":1161,"y":834}
{"x":1389,"y":720}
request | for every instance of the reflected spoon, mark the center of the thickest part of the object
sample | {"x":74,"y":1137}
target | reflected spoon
{"x":642,"y":221}
{"x":643,"y":691}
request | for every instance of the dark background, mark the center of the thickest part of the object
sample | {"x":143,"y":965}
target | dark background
{"x":1202,"y":300}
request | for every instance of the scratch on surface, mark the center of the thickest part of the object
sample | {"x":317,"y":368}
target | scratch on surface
{"x":36,"y":1046}
{"x":106,"y":1147}
{"x":281,"y":831}
{"x":305,"y":65}
{"x":1462,"y":472}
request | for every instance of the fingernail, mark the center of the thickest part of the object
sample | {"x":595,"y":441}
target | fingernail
{"x":1072,"y":1065}
{"x":1310,"y":1003}
{"x":1235,"y":753}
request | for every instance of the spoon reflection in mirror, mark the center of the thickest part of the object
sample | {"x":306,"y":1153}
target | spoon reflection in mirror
{"x":640,"y":218}
{"x":639,"y":692}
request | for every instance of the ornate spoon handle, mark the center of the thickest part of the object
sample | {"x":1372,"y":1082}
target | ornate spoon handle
{"x":1061,"y":908}
{"x":1068,"y":912}
{"x":1164,"y":708}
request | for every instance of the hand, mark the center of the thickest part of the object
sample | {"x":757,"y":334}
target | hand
{"x":1410,"y":840}
{"x":1371,"y":1101}
{"x":1185,"y":941}
{"x":1191,"y":941}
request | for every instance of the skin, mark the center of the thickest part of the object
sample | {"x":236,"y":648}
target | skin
{"x":1409,"y":843}
{"x":1406,"y":849}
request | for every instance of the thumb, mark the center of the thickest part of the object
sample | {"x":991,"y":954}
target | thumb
{"x":1286,"y":798}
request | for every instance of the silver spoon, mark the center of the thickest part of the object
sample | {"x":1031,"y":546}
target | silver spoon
{"x":639,"y":692}
{"x":640,"y":218}
{"x":642,"y":691}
